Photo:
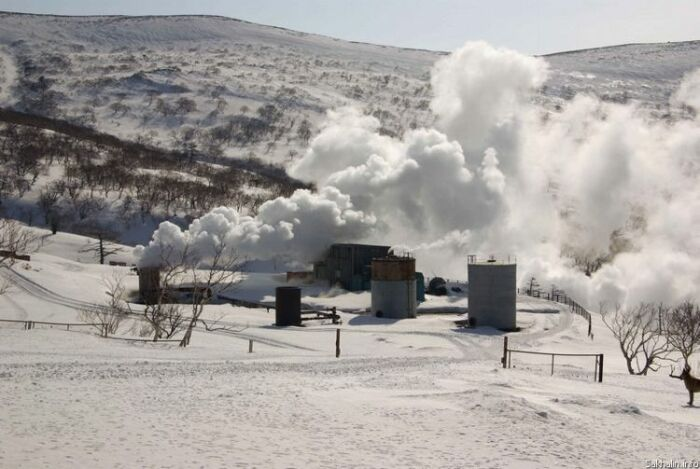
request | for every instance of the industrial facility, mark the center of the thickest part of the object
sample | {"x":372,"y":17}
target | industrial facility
{"x":492,"y":291}
{"x":394,"y":287}
{"x":149,"y":284}
{"x":349,"y":265}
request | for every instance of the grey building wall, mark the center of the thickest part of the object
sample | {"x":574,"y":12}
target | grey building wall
{"x":492,"y":289}
{"x":350,"y":265}
{"x":394,"y":299}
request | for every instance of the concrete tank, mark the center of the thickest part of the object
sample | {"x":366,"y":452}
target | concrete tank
{"x":492,"y":288}
{"x":394,"y":287}
{"x":149,"y":284}
{"x":288,"y":306}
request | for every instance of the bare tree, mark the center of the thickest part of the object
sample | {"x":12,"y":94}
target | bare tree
{"x":48,"y":198}
{"x":213,"y":274}
{"x":304,"y":131}
{"x":102,"y":247}
{"x":107,"y":317}
{"x":165,"y":317}
{"x":682,"y":329}
{"x":638,"y":330}
{"x":203,"y":272}
{"x":16,"y":239}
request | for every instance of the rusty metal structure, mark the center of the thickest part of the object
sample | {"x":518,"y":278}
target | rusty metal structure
{"x":394,"y":287}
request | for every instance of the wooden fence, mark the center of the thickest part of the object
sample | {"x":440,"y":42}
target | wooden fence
{"x":28,"y":324}
{"x":599,"y":357}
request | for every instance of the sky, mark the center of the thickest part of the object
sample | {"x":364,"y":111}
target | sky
{"x":529,"y":26}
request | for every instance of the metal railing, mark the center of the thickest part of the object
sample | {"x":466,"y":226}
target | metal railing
{"x":599,"y":357}
{"x":29,"y":324}
{"x":562,"y":298}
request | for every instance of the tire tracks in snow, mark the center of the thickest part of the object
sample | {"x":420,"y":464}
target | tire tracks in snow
{"x":38,"y":291}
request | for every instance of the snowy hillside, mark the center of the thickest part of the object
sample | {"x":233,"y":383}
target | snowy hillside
{"x":149,"y":77}
{"x":647,"y":73}
{"x":196,"y":81}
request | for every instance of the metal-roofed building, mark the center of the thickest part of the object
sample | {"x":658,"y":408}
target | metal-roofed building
{"x":350,"y":265}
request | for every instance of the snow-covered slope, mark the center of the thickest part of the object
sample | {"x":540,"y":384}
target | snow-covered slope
{"x":179,"y":80}
{"x":647,"y":73}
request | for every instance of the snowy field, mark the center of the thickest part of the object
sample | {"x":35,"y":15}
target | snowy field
{"x":410,"y":393}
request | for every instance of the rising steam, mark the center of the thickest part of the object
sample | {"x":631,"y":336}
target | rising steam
{"x":596,"y":186}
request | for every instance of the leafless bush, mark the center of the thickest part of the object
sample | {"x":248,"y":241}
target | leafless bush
{"x":204,"y":273}
{"x":15,"y":239}
{"x":165,"y":318}
{"x":107,"y":317}
{"x":682,"y":329}
{"x":639,"y":332}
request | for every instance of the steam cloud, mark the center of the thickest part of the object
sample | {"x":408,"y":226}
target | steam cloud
{"x":302,"y":224}
{"x":596,"y":181}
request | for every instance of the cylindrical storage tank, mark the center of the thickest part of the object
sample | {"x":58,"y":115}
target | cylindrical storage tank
{"x":149,"y":284}
{"x":492,"y":288}
{"x":288,"y":306}
{"x":394,"y":287}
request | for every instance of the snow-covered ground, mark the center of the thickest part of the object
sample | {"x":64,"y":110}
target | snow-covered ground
{"x":409,"y":393}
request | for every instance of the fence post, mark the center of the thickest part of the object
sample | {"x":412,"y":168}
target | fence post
{"x":337,"y":343}
{"x":250,"y":345}
{"x":595,"y":370}
{"x":505,"y":351}
{"x":600,"y":372}
{"x":552,"y":373}
{"x":589,"y":324}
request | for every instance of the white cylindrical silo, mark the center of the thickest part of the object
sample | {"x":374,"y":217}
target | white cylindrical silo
{"x":394,"y":287}
{"x":492,"y":290}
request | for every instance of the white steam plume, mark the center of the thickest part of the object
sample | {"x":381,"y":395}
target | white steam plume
{"x":303,"y":225}
{"x":594,"y":182}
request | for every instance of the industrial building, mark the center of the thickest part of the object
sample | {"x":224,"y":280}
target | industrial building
{"x":394,"y":287}
{"x":349,"y":265}
{"x":492,"y":290}
{"x":149,"y":284}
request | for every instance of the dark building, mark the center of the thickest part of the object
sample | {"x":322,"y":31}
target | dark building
{"x":350,"y":265}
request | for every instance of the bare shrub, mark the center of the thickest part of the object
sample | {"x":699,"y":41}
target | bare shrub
{"x":638,"y":330}
{"x":682,"y":329}
{"x":107,"y":317}
{"x":15,"y":238}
